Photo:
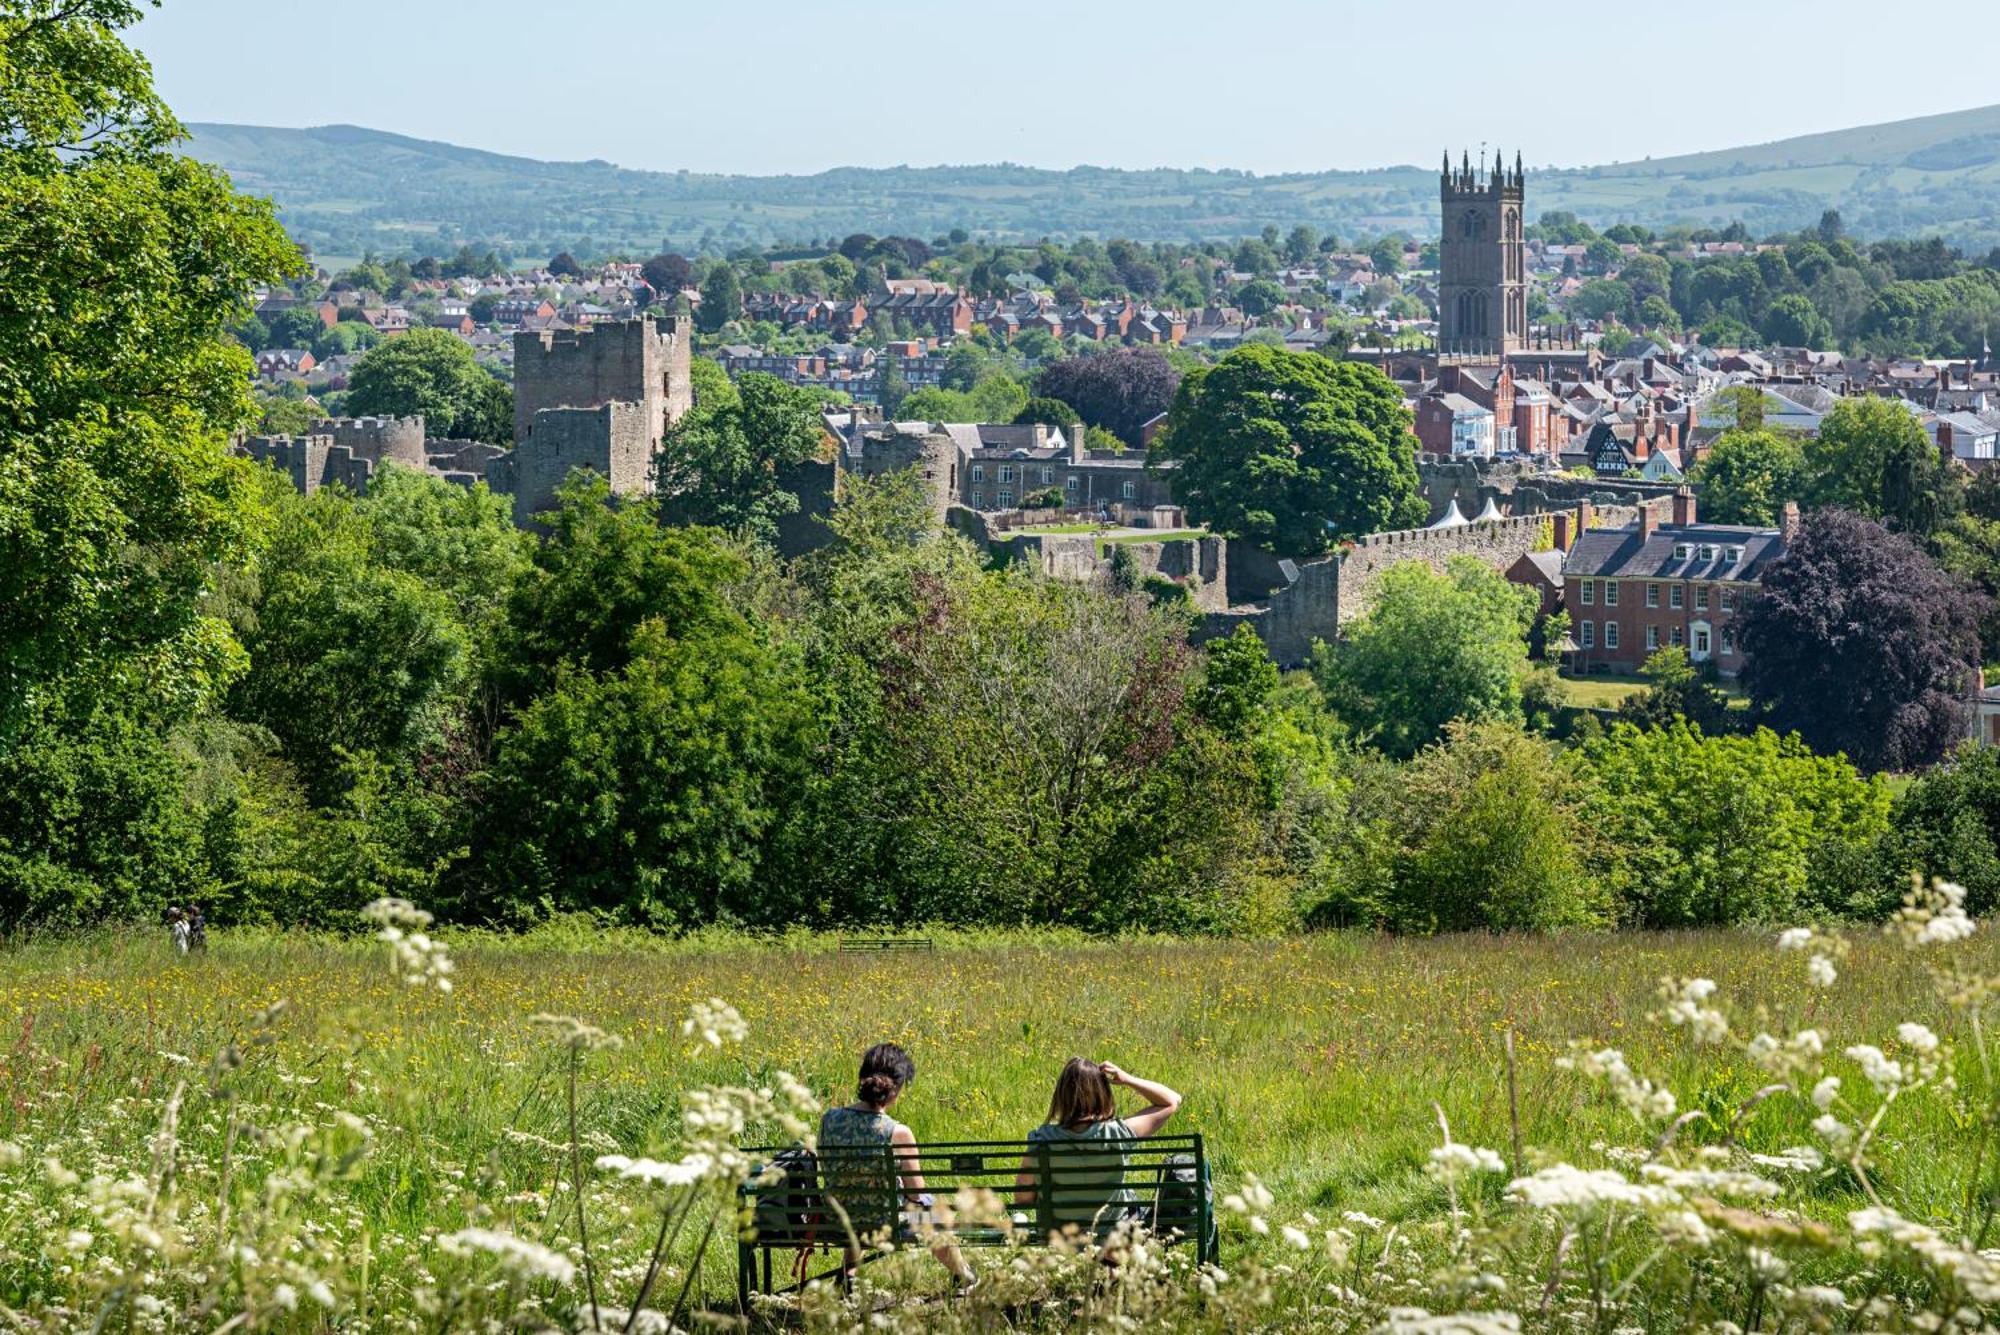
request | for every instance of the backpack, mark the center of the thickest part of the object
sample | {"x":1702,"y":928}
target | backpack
{"x":1183,"y":1193}
{"x":788,"y":1210}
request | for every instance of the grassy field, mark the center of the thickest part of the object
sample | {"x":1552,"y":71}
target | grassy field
{"x":1312,"y":1063}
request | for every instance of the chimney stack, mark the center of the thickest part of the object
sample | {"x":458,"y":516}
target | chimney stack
{"x":1683,"y":507}
{"x":1649,"y":521}
{"x":1076,"y":446}
{"x":1586,"y":516}
{"x":1562,"y":524}
{"x":1788,"y":522}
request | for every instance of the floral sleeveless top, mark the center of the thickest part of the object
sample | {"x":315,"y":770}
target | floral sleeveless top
{"x":861,"y":1183}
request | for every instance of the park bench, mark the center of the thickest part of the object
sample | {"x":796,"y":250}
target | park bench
{"x":792,"y":1216}
{"x":865,"y":945}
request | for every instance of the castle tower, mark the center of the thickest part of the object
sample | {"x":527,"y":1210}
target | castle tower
{"x":1482,"y":288}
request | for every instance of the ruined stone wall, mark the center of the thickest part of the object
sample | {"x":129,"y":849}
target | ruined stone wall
{"x":893,"y":448}
{"x":643,"y":361}
{"x":612,"y":440}
{"x":397,"y":440}
{"x":311,"y":461}
{"x":1519,"y":490}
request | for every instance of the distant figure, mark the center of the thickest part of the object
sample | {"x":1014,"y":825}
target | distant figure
{"x":197,"y":930}
{"x":1089,"y":1151}
{"x":177,"y":928}
{"x":872,"y":1197}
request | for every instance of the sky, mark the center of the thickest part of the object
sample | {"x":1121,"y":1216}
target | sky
{"x":1284,"y":85}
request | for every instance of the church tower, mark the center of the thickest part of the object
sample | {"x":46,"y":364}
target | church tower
{"x":1482,"y":289}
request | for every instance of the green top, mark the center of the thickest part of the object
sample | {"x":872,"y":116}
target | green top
{"x":863,"y":1184}
{"x":1088,"y":1166}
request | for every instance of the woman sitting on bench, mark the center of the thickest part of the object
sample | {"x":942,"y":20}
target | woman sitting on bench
{"x":858,"y":1182}
{"x":1088,"y":1155}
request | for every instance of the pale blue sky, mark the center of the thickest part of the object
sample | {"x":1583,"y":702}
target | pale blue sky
{"x":1285,"y":85}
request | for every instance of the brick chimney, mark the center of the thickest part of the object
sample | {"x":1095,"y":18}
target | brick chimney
{"x":1688,"y":431}
{"x":1076,"y":446}
{"x":1649,"y":521}
{"x":1788,"y":521}
{"x":1683,"y":507}
{"x":1563,"y":523}
{"x":1586,"y":515}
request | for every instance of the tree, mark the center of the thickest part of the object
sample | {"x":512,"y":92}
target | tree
{"x":433,"y":373}
{"x":1260,"y":298}
{"x":1710,"y":831}
{"x":1433,"y":648}
{"x":1484,"y":830}
{"x":1862,"y":645}
{"x":121,"y":264}
{"x":1679,"y":692}
{"x":1120,"y":391}
{"x":1048,"y":412}
{"x":564,"y":265}
{"x":1387,"y":257}
{"x":461,"y":541}
{"x":667,"y":273}
{"x":645,"y":792}
{"x":729,"y":464}
{"x":1871,"y":456}
{"x":1238,"y":680}
{"x":1292,"y":451}
{"x":1748,"y":476}
{"x":1947,"y":824}
{"x":1792,"y":321}
{"x":721,"y":298}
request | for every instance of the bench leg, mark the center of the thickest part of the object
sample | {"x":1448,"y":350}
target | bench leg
{"x":746,"y":1265}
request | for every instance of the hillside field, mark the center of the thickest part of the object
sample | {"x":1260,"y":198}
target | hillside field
{"x":1311,"y":1062}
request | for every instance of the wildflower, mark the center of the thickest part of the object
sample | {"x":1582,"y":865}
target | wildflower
{"x":1825,"y":1092}
{"x":1642,"y":1098}
{"x":1766,"y":1267}
{"x":575,"y":1033}
{"x":1837,"y":1134}
{"x":1417,"y":1321}
{"x":1799,"y":1158}
{"x":1933,"y":917}
{"x":286,"y":1297}
{"x":529,"y":1260}
{"x":1685,"y":1007}
{"x":1711,"y":1181}
{"x":715,"y":1022}
{"x":684,"y":1172}
{"x":1360,"y":1220}
{"x":1684,"y":1228}
{"x":419,"y":960}
{"x":1821,"y":971}
{"x":1449,"y":1162}
{"x":1562,"y":1185}
{"x":10,"y":1154}
{"x":1884,"y":1074}
{"x":1917,"y":1037}
{"x":1795,"y":938}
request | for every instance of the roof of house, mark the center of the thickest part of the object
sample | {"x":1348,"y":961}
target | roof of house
{"x":1620,"y":553}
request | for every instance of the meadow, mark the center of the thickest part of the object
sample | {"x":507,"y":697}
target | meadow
{"x":359,"y":1124}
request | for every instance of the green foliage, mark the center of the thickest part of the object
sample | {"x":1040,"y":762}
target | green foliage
{"x":459,"y":540}
{"x":1238,"y":680}
{"x":721,"y":299}
{"x":1712,"y":830}
{"x":1047,"y":412}
{"x":1947,"y":823}
{"x":1292,"y":451}
{"x":728,"y":464}
{"x":1679,"y":692}
{"x":1748,"y":476}
{"x":434,"y":373}
{"x":1434,"y":647}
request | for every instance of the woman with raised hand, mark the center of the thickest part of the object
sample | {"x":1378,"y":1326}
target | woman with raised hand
{"x":1089,"y":1143}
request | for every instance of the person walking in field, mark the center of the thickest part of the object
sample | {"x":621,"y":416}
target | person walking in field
{"x":197,"y":930}
{"x":177,"y":928}
{"x":1090,"y":1142}
{"x":858,"y":1183}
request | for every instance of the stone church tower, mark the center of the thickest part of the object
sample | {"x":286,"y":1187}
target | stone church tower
{"x":1482,"y":292}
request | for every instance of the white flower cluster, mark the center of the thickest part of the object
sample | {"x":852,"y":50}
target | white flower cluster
{"x":1449,"y":1163}
{"x":1933,"y":917}
{"x":1796,"y":1055}
{"x":1418,"y":1321}
{"x":574,"y":1033}
{"x":1882,"y":1072}
{"x":1819,"y":968}
{"x":1561,"y":1186}
{"x":714,"y":1022}
{"x":420,"y":959}
{"x":520,"y":1257}
{"x":1687,"y":1005}
{"x":1642,"y":1098}
{"x":1976,"y":1273}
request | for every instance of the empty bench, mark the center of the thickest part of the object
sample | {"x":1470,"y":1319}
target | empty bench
{"x":867,"y":945}
{"x":805,"y":1204}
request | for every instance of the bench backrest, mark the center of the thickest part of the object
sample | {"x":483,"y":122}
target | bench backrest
{"x":868,"y":944}
{"x":1164,"y":1180}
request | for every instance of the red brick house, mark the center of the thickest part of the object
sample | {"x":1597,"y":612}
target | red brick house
{"x":1662,"y":583}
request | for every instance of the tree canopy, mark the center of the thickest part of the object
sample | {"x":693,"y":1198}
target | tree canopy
{"x":432,"y":372}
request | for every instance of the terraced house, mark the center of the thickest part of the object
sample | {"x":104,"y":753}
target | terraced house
{"x":1652,"y":585}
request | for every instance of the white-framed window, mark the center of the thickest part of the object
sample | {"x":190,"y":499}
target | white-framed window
{"x":1728,"y":599}
{"x":1701,"y":641}
{"x":1586,"y":634}
{"x":1611,"y":593}
{"x":1701,"y":598}
{"x":1652,"y":637}
{"x":1130,"y":490}
{"x":1681,"y":551}
{"x":979,"y":472}
{"x":1048,"y":475}
{"x":1678,"y":638}
{"x":1006,"y":472}
{"x":1072,"y":483}
{"x":1611,"y":635}
{"x":1589,"y":592}
{"x":1674,"y":597}
{"x":1652,"y":595}
{"x":977,"y":497}
{"x":1006,"y":498}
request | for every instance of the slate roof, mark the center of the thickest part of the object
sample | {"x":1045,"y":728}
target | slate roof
{"x":1618,"y":553}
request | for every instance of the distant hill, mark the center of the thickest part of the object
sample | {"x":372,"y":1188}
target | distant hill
{"x":344,"y":190}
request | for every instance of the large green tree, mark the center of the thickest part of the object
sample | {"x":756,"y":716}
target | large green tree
{"x":432,"y":372}
{"x":1748,"y":476}
{"x":729,"y":464}
{"x":1433,"y":648}
{"x":121,"y":264}
{"x":1292,"y":451}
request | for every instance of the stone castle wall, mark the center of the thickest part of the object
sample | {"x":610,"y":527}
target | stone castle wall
{"x":644,"y":361}
{"x":1518,"y":490}
{"x":612,"y":440}
{"x":397,"y":440}
{"x":310,"y":461}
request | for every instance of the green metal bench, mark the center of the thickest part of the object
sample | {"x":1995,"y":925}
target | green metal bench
{"x":1167,"y":1175}
{"x":871,"y":945}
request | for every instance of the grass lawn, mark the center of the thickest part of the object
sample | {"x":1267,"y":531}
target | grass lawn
{"x":1312,"y":1062}
{"x":1601,"y":690}
{"x":1152,"y":535}
{"x":1056,"y":528}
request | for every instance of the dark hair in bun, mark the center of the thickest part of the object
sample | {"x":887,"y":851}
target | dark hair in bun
{"x":885,"y":1069}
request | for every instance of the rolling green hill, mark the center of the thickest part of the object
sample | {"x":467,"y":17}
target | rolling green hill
{"x":344,"y":189}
